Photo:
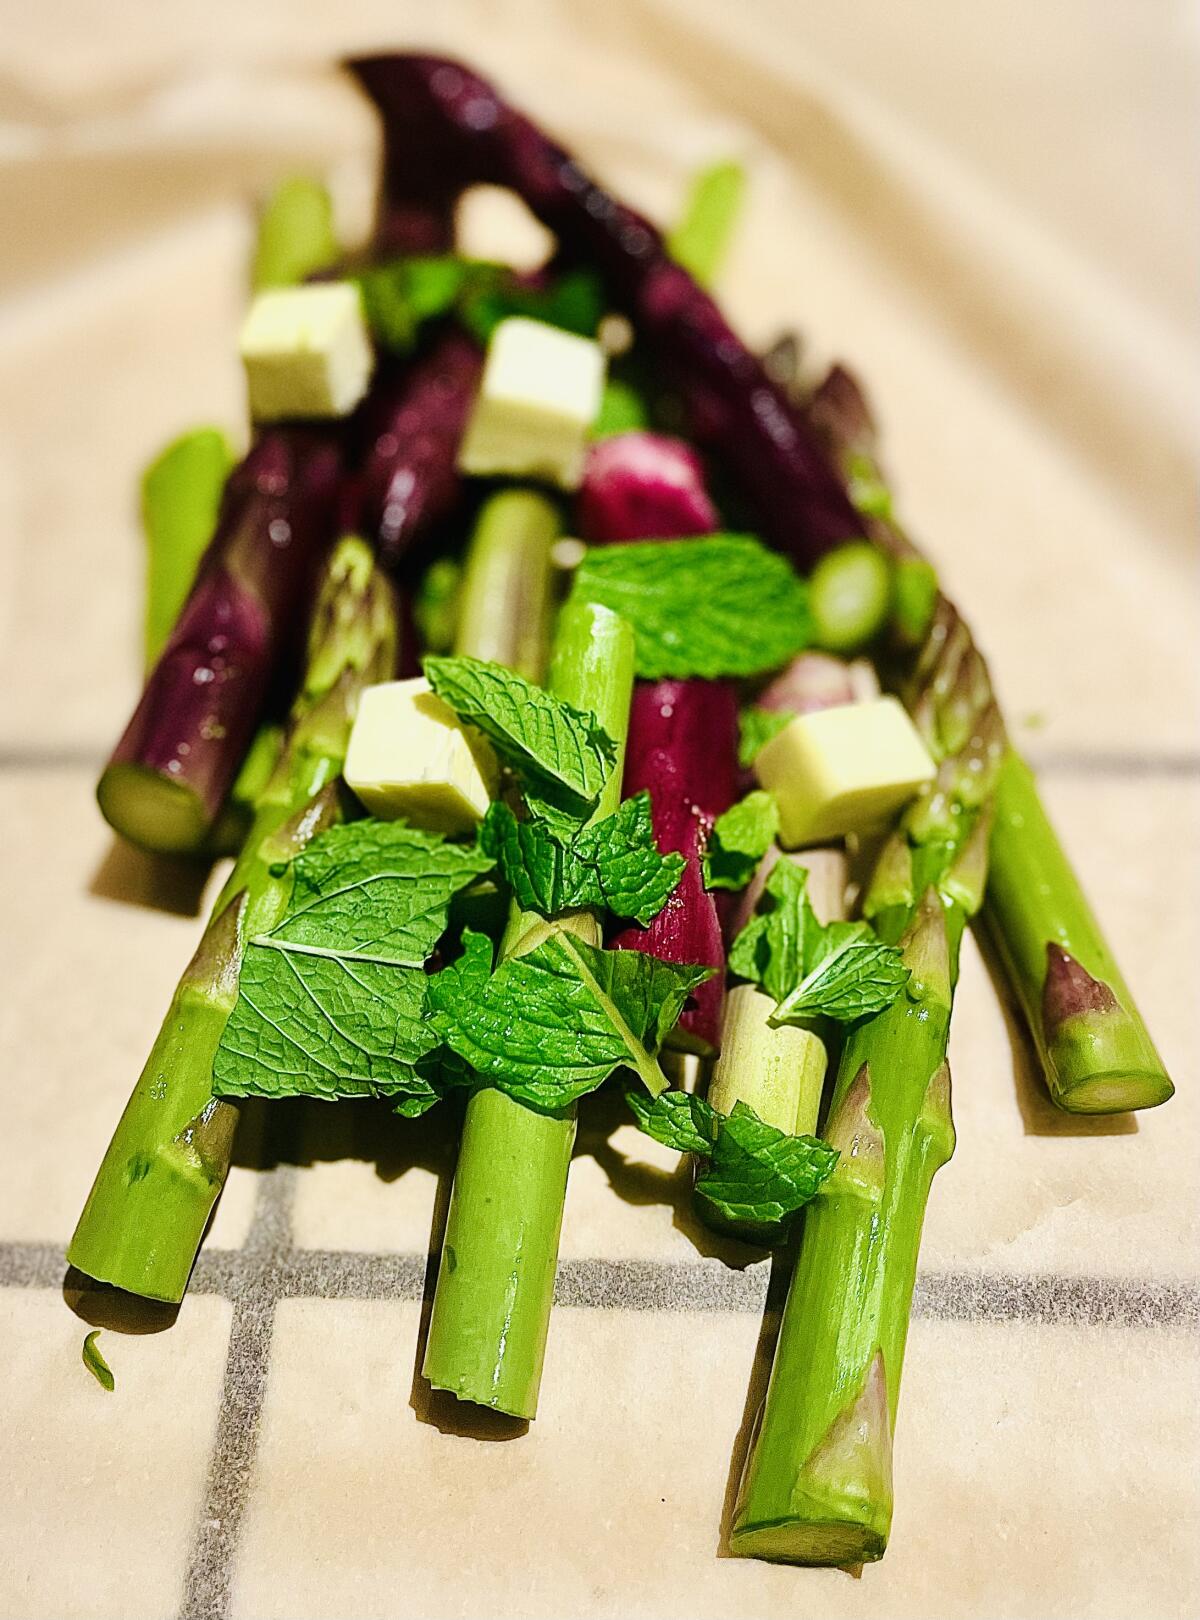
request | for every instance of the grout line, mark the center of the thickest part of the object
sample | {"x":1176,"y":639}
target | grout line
{"x":208,"y":1580}
{"x":649,"y":1285}
{"x":1054,"y":762}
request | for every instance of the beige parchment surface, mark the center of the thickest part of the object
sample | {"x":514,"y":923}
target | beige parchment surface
{"x":990,"y":210}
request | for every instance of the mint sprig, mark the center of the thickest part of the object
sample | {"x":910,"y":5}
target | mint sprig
{"x":562,"y":755}
{"x":721,"y":605}
{"x":739,"y":840}
{"x":841,"y":971}
{"x":552,"y":1024}
{"x":756,"y":727}
{"x":613,"y":863}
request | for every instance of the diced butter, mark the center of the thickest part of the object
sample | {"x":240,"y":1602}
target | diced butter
{"x":843,"y":770}
{"x":307,"y":351}
{"x":410,"y":756}
{"x":537,"y":400}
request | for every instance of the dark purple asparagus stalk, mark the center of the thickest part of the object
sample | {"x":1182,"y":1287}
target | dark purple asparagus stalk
{"x":682,"y":742}
{"x":441,"y":116}
{"x":168,"y":776}
{"x":413,"y":421}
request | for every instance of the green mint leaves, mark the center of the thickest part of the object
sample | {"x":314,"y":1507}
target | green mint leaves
{"x":739,"y":840}
{"x":552,"y":1024}
{"x":842,"y":971}
{"x":756,"y":727}
{"x":562,"y":755}
{"x":613,"y":863}
{"x":332,"y":1002}
{"x":95,"y":1363}
{"x":722,"y":605}
{"x":401,"y":298}
{"x":757,"y":1176}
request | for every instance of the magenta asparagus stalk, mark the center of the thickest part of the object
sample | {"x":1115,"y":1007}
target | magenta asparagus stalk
{"x":169,"y":775}
{"x":682,"y":734}
{"x":440,"y":116}
{"x":414,"y":419}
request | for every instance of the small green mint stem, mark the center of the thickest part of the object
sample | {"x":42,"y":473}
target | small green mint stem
{"x":181,"y":496}
{"x":817,"y":1487}
{"x":295,"y":234}
{"x":167,"y":1162}
{"x":495,"y":1288}
{"x":504,"y":609}
{"x":701,"y":238}
{"x":1096,"y":1052}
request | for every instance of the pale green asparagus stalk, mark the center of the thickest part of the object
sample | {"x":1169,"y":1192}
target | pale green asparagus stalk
{"x":165,"y":1167}
{"x":491,"y":1311}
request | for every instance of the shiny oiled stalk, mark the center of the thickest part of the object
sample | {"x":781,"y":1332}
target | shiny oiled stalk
{"x":495,"y":1288}
{"x":505,"y":608}
{"x":167,"y":1162}
{"x":817,"y":1487}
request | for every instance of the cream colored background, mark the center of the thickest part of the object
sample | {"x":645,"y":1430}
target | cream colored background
{"x":991,"y":210}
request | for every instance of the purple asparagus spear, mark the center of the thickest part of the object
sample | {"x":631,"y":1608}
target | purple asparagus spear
{"x":440,"y":115}
{"x":168,"y":776}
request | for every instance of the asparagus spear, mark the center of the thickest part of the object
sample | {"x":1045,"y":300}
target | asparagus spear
{"x":1096,"y":1053}
{"x":700,"y":239}
{"x":169,"y":775}
{"x":166,"y":1164}
{"x":491,"y":1310}
{"x":295,"y":234}
{"x":181,"y":496}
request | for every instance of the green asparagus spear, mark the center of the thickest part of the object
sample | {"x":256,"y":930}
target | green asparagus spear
{"x":167,"y":1162}
{"x":701,"y":237}
{"x":1096,"y":1052}
{"x":491,"y":1311}
{"x":295,"y":234}
{"x":181,"y":496}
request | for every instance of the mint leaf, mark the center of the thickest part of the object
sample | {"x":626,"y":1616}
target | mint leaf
{"x":96,"y":1364}
{"x":721,"y":605}
{"x":375,"y":890}
{"x":853,"y":973}
{"x":315,"y":1026}
{"x":756,"y":727}
{"x":677,"y":1119}
{"x":574,"y":301}
{"x":842,"y":971}
{"x":739,"y":840}
{"x":759,"y":1176}
{"x":399,"y":298}
{"x":615,"y":863}
{"x":331,"y":1003}
{"x":561,"y":754}
{"x":550,"y":1025}
{"x":774,"y":946}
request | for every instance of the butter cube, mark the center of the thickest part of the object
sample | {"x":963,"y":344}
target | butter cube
{"x":410,"y":756}
{"x":307,"y":351}
{"x":843,"y":770}
{"x":537,"y":400}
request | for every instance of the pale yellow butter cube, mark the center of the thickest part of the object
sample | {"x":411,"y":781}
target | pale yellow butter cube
{"x":537,"y":400}
{"x":411,"y":757}
{"x":307,"y":351}
{"x":843,"y":770}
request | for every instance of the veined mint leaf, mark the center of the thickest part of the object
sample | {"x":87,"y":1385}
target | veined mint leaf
{"x":759,"y":1176}
{"x":853,"y":973}
{"x":376,"y":890}
{"x":756,"y":727}
{"x":739,"y":840}
{"x":842,"y":971}
{"x":720,"y":605}
{"x":677,"y":1119}
{"x":331,"y":1003}
{"x":773,"y":947}
{"x":557,"y":750}
{"x":95,"y":1363}
{"x":317,"y":1026}
{"x":554,"y":1023}
{"x":615,"y":863}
